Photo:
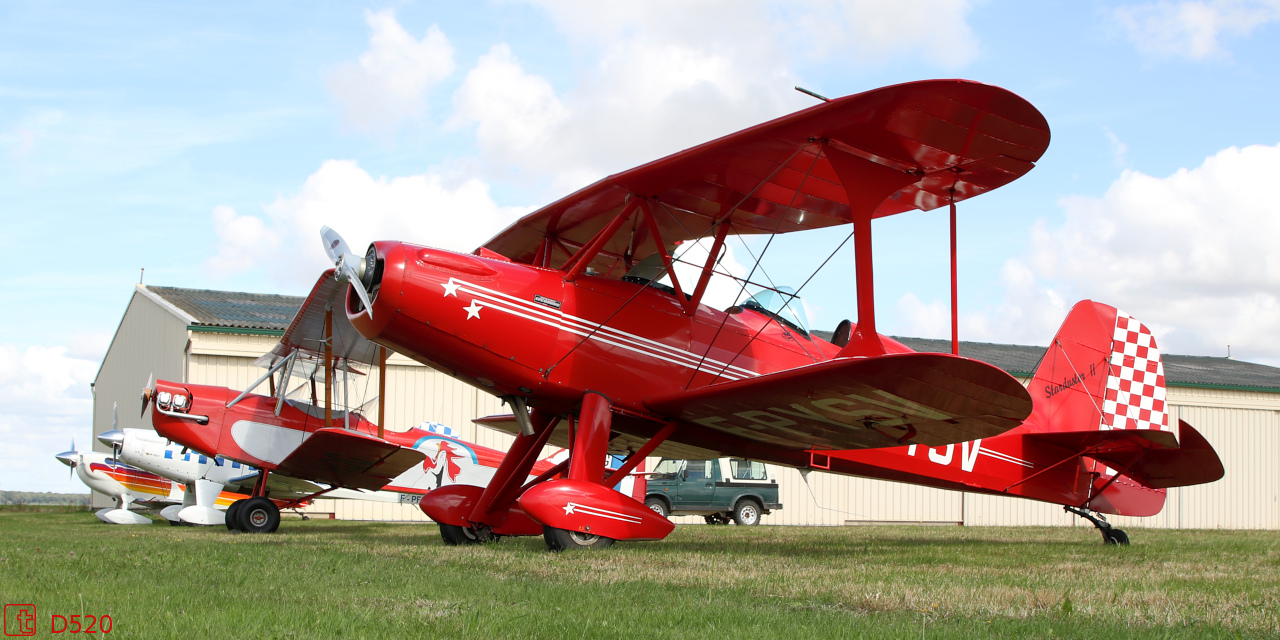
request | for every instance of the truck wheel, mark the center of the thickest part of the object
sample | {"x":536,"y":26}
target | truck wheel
{"x":746,"y":513}
{"x":560,"y":540}
{"x":658,"y":505}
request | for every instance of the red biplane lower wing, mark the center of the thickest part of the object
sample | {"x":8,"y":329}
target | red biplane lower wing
{"x":1152,"y":457}
{"x":860,"y":403}
{"x":349,"y":459}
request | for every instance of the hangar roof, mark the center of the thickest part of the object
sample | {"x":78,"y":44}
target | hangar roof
{"x":232,"y":309}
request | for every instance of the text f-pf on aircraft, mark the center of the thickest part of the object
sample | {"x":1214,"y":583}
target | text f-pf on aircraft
{"x":575,"y":314}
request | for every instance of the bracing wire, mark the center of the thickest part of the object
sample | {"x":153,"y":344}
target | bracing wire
{"x":742,"y":289}
{"x":793,"y":296}
{"x":718,"y":220}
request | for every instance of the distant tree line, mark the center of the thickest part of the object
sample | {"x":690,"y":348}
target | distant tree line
{"x":34,"y":498}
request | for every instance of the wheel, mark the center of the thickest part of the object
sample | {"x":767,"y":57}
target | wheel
{"x":258,"y":515}
{"x":175,"y":523}
{"x":716,"y":518}
{"x":454,"y":535}
{"x":658,"y":505}
{"x":746,"y":513}
{"x":560,"y":540}
{"x":233,"y":515}
{"x":1116,"y":536}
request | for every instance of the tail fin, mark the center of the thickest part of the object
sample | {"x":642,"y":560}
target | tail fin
{"x":1102,"y":372}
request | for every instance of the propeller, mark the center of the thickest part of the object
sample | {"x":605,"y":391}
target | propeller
{"x":69,"y":458}
{"x":148,"y":392}
{"x":113,"y":438}
{"x":348,"y":267}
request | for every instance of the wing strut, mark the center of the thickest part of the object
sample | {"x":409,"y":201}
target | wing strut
{"x":701,"y":287}
{"x":578,"y":263}
{"x":955,"y":296}
{"x":867,"y":184}
{"x":666,"y":257}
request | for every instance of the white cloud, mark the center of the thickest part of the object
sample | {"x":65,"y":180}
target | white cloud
{"x":515,"y":112}
{"x":669,"y":75}
{"x":389,"y":83}
{"x":449,"y":212}
{"x":1196,"y":250}
{"x":936,"y":31}
{"x":1193,"y":28}
{"x":44,"y":402}
{"x":242,"y":240}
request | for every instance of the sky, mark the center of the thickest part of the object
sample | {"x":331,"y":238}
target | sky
{"x":207,"y":144}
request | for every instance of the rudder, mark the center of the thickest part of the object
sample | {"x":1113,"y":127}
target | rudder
{"x":1101,"y":372}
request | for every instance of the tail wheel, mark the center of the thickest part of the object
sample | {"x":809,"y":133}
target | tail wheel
{"x":715,"y":518}
{"x":233,"y":515}
{"x":258,"y":515}
{"x":746,"y":513}
{"x":562,"y":540}
{"x":1115,"y":536}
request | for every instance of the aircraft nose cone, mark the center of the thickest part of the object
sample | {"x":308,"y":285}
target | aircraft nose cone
{"x":68,"y":458}
{"x":111,"y":438}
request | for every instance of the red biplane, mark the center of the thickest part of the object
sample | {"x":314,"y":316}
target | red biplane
{"x":575,"y":314}
{"x":295,"y":444}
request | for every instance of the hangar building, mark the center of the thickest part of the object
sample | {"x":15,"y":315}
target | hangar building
{"x":213,"y":337}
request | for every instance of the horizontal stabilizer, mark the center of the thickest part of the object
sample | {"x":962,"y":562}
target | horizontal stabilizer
{"x":1152,"y":457}
{"x":859,"y":403}
{"x":349,"y":459}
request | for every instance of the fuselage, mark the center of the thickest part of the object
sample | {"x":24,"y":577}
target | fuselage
{"x":515,"y":329}
{"x":116,"y":479}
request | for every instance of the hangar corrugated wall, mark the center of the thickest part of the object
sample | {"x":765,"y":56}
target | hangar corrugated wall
{"x":157,"y":337}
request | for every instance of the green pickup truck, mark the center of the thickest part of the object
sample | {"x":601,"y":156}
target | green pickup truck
{"x":719,"y":490}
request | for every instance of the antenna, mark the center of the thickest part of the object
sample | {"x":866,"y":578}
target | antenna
{"x":808,"y":92}
{"x":142,"y":276}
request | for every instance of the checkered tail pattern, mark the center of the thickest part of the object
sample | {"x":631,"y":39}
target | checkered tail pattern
{"x":1135,"y":396}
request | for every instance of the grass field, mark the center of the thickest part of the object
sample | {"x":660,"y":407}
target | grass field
{"x":327,"y":579}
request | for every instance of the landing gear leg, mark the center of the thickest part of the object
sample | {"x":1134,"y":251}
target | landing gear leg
{"x":1110,"y":535}
{"x":590,"y":444}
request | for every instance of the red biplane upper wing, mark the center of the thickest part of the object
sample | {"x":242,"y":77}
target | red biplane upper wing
{"x":306,"y":333}
{"x":922,"y":138}
{"x":857,"y":403}
{"x":349,"y":459}
{"x":1153,"y":457}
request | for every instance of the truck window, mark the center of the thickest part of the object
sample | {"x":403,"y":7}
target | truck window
{"x":666,"y":469}
{"x":746,"y":469}
{"x":697,"y":470}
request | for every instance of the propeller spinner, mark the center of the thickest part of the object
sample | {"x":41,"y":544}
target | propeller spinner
{"x":70,"y":458}
{"x":348,"y":265}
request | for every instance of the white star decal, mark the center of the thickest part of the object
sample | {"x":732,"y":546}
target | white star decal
{"x":473,"y":311}
{"x":568,"y":508}
{"x":450,"y":288}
